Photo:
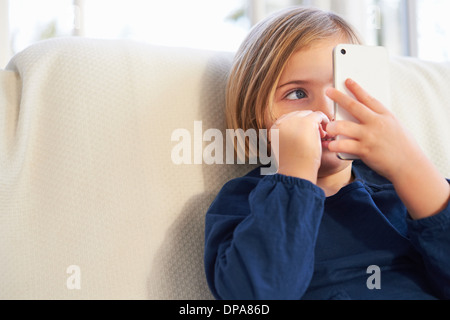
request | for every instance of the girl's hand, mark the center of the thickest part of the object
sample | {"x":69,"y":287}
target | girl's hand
{"x":379,"y":139}
{"x":381,"y":142}
{"x":300,"y":148}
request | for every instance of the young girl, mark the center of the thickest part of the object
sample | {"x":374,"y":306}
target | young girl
{"x":323,"y":228}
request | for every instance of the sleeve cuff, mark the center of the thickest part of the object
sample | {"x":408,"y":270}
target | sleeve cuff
{"x":437,"y":221}
{"x":292,"y":181}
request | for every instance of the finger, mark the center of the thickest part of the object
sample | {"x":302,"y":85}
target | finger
{"x":286,"y":116}
{"x":355,"y":108}
{"x":321,"y":120}
{"x":348,"y":146}
{"x":322,"y":117}
{"x":345,"y":128}
{"x":364,"y":97}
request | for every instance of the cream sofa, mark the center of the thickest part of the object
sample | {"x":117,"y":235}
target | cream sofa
{"x":92,"y":204}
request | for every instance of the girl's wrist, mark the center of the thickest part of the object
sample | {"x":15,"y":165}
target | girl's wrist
{"x":302,"y":172}
{"x":421,"y":187}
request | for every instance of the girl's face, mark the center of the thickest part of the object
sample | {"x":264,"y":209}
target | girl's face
{"x":302,"y":85}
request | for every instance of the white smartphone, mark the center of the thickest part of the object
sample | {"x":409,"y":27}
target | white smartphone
{"x":369,"y":67}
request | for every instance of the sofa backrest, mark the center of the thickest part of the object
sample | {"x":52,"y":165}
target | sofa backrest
{"x":93,"y":204}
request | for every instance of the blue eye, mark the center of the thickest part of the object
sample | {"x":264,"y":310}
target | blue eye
{"x":296,"y":95}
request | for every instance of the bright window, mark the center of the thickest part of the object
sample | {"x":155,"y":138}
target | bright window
{"x":206,"y":24}
{"x":197,"y":23}
{"x":433,"y":29}
{"x":31,"y":21}
{"x":407,"y":27}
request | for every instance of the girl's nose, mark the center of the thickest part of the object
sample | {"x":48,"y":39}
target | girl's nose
{"x":325,"y":105}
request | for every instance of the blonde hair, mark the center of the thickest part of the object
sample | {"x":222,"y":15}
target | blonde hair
{"x":260,"y":60}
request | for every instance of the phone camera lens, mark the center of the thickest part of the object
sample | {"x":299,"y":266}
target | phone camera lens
{"x":344,"y":52}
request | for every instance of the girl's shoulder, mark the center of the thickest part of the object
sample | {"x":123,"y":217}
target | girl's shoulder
{"x":245,"y":183}
{"x":234,"y":195}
